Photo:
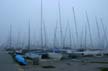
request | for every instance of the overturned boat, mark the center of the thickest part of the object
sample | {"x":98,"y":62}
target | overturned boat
{"x":20,"y":59}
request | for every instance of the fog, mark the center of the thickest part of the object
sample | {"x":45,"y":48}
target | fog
{"x":19,"y":13}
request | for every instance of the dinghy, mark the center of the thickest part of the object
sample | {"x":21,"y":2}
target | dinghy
{"x":55,"y":54}
{"x":20,"y":59}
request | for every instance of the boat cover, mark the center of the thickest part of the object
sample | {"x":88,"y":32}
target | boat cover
{"x":20,"y":59}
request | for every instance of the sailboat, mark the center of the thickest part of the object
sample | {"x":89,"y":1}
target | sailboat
{"x":56,"y":52}
{"x":71,"y":51}
{"x":91,"y":51}
{"x":76,"y":31}
{"x":10,"y":48}
{"x":105,"y":39}
{"x":98,"y":32}
{"x":19,"y":58}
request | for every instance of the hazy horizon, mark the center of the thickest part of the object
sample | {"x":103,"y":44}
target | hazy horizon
{"x":19,"y":12}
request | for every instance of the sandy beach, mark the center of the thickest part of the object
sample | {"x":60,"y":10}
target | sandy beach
{"x":65,"y":65}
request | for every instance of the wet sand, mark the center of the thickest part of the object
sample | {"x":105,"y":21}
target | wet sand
{"x":6,"y":62}
{"x":79,"y":64}
{"x":64,"y":65}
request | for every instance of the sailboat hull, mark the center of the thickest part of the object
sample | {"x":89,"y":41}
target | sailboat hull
{"x":57,"y":56}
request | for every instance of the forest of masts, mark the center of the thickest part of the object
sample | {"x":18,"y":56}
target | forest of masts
{"x":68,"y":38}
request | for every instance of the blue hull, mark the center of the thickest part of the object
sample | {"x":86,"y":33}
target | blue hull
{"x":20,"y":59}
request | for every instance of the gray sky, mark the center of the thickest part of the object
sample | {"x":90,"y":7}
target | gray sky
{"x":18,"y":12}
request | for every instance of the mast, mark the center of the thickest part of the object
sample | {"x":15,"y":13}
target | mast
{"x":10,"y":37}
{"x":29,"y":42}
{"x":105,"y":35}
{"x":22,"y":43}
{"x":91,"y":40}
{"x":85,"y":35}
{"x":64,"y":40}
{"x":55,"y":36}
{"x":18,"y":40}
{"x":70,"y":36}
{"x":81,"y":38}
{"x":61,"y":33}
{"x":45,"y":34}
{"x":73,"y":40}
{"x":75,"y":26}
{"x":67,"y":29}
{"x":41,"y":23}
{"x":98,"y":30}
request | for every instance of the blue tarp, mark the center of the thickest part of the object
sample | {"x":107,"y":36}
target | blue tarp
{"x":20,"y":59}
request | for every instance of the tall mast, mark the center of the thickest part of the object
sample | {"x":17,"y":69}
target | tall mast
{"x":105,"y":35}
{"x":75,"y":25}
{"x":73,"y":40}
{"x":29,"y":35}
{"x":70,"y":36}
{"x":98,"y":30}
{"x":61,"y":33}
{"x":91,"y":40}
{"x":41,"y":23}
{"x":55,"y":36}
{"x":45,"y":34}
{"x":81,"y":38}
{"x":18,"y":40}
{"x":85,"y":36}
{"x":64,"y":39}
{"x":22,"y":43}
{"x":10,"y":37}
{"x":67,"y":29}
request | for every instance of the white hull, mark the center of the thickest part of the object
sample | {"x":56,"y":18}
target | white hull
{"x":54,"y":55}
{"x":87,"y":53}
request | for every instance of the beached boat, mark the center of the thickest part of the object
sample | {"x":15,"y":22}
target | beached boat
{"x":36,"y":54}
{"x":55,"y":54}
{"x":20,"y":59}
{"x":32,"y":55}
